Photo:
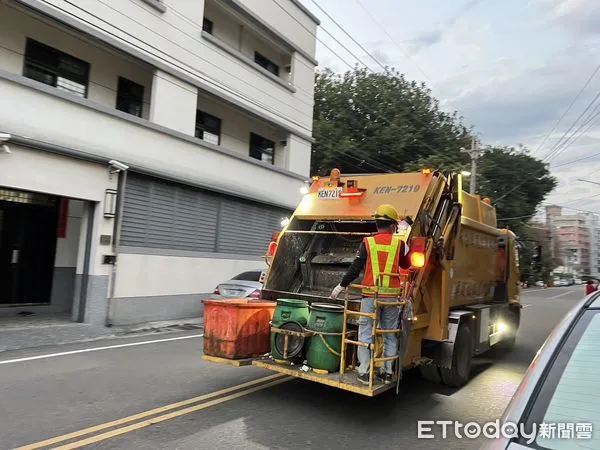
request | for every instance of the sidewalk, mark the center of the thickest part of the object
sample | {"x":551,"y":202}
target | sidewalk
{"x":37,"y":331}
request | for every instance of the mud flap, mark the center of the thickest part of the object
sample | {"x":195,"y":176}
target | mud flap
{"x":446,"y":348}
{"x":441,"y":353}
{"x":406,"y":315}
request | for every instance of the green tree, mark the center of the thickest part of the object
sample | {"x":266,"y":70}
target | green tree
{"x":531,"y":270}
{"x":516,"y":182}
{"x":365,"y":122}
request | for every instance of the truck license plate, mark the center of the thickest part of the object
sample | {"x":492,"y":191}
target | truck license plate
{"x":329,"y":193}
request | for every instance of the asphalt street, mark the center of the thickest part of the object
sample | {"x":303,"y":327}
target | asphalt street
{"x":83,"y":396}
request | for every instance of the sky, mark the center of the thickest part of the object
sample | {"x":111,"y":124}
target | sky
{"x":512,"y":69}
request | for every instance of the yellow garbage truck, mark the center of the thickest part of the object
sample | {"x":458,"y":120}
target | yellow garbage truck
{"x":459,"y":299}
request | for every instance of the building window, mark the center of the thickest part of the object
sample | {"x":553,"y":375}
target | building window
{"x":266,"y":63}
{"x":207,"y":26}
{"x":55,"y":68}
{"x":262,"y":149}
{"x":208,"y":128}
{"x":130,"y":97}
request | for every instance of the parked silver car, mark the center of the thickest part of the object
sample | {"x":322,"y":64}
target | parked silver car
{"x":557,"y":404}
{"x":245,"y":284}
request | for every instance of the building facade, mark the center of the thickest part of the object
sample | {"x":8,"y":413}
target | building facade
{"x":578,"y":240}
{"x":148,"y":149}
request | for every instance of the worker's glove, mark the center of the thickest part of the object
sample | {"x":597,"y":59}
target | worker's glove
{"x":337,"y":291}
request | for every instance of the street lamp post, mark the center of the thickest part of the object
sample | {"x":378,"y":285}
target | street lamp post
{"x":475,"y":153}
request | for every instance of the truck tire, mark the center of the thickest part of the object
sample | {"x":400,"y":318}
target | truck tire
{"x":458,"y":375}
{"x":430,"y":372}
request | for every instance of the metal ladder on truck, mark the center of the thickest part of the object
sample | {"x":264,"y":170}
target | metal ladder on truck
{"x":375,"y":347}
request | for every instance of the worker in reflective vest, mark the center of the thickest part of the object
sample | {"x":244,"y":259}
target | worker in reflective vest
{"x":383,"y":252}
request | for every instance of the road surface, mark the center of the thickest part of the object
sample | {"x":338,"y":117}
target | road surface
{"x":157,"y":394}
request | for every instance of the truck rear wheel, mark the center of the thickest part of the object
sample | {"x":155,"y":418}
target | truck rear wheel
{"x":458,"y":375}
{"x":430,"y":372}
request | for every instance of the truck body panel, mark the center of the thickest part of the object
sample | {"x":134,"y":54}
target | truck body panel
{"x":470,"y":278}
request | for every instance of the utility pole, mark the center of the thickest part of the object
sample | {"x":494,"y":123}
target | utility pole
{"x":475,"y":153}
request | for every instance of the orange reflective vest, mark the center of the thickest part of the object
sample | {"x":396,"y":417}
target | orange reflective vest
{"x":383,"y":253}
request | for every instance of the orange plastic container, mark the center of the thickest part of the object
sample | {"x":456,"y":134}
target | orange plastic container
{"x":237,"y":328}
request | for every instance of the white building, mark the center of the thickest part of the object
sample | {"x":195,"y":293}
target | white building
{"x":209,"y":105}
{"x":594,"y":224}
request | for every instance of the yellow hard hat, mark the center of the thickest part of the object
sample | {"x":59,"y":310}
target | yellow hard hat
{"x":386,"y":212}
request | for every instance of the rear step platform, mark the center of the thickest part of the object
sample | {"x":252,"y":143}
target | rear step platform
{"x":231,"y":362}
{"x":350,"y":383}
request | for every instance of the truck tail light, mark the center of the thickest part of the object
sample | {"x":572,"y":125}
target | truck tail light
{"x":255,"y":294}
{"x":272,"y":248}
{"x":417,"y":259}
{"x":418,"y":246}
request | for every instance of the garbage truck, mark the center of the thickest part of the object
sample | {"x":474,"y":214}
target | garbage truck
{"x":459,"y":299}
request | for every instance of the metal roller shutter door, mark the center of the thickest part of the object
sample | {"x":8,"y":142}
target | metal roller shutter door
{"x":165,"y":215}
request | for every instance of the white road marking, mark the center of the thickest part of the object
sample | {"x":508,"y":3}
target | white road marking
{"x":96,"y":349}
{"x":561,"y":295}
{"x":526,"y":305}
{"x":533,"y":291}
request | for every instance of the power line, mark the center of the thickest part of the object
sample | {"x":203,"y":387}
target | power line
{"x":555,"y":151}
{"x":321,"y":41}
{"x":583,"y":128}
{"x":386,"y":69}
{"x":589,"y":80}
{"x":399,"y":47}
{"x":571,"y":208}
{"x":553,"y":204}
{"x":350,"y":66}
{"x":385,"y":167}
{"x":195,"y":38}
{"x":581,"y":198}
{"x":349,"y":35}
{"x":578,"y":160}
{"x":394,"y":41}
{"x":517,"y":186}
{"x":363,"y":160}
{"x":514,"y":218}
{"x":191,"y":71}
{"x":344,"y":47}
{"x":183,"y":17}
{"x":379,"y":165}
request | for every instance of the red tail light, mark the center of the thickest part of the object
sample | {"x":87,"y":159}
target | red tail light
{"x":255,"y":294}
{"x":418,"y":246}
{"x":272,"y":248}
{"x":417,"y":259}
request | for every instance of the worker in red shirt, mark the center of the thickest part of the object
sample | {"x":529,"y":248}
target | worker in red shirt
{"x":383,"y":252}
{"x":589,"y":287}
